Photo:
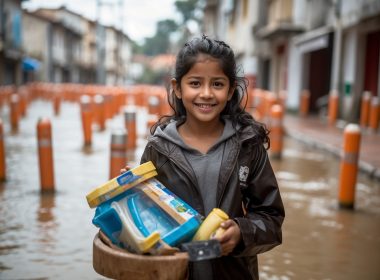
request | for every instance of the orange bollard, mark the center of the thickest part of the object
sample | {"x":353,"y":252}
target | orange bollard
{"x":276,"y":130}
{"x":14,"y":112}
{"x":304,"y":103}
{"x":22,"y":102}
{"x":154,"y":105}
{"x":258,"y":111}
{"x":107,"y":106}
{"x":86,"y":113}
{"x":45,"y":155}
{"x":130,"y":126}
{"x":100,"y":113}
{"x":374,"y":114}
{"x":333,"y":107}
{"x":3,"y":166}
{"x":118,"y":158}
{"x":57,"y":103}
{"x":364,"y":108}
{"x":269,"y":100}
{"x":349,"y":166}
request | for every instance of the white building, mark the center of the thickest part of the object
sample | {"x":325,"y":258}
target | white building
{"x":291,"y":45}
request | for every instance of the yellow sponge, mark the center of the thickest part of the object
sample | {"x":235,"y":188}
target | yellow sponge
{"x":121,"y":183}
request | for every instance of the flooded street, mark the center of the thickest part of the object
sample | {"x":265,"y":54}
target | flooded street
{"x":50,"y":236}
{"x":321,"y":241}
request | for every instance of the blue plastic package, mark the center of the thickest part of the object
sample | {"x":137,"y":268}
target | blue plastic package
{"x":139,"y":218}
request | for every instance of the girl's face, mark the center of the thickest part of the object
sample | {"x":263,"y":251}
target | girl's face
{"x":204,"y":90}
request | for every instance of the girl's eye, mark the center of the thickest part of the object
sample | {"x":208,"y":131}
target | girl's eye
{"x":218,"y":84}
{"x":195,"y":83}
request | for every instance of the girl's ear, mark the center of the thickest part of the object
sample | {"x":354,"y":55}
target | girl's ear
{"x":175,"y":88}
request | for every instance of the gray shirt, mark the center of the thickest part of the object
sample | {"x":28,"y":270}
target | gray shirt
{"x":206,"y":167}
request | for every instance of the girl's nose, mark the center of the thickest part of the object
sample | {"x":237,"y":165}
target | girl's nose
{"x":206,"y":92}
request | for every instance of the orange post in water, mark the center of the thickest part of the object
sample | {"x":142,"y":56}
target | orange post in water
{"x":154,"y":105}
{"x":304,"y":103}
{"x":100,"y":111}
{"x":3,"y":166}
{"x":374,"y":114}
{"x":349,"y":166}
{"x":270,"y":100}
{"x":86,"y":112}
{"x":276,"y":130}
{"x":22,"y":93}
{"x":45,"y":155}
{"x":130,"y":126}
{"x":14,"y":111}
{"x":118,"y":158}
{"x":57,"y":103}
{"x":364,"y":108}
{"x":333,"y":107}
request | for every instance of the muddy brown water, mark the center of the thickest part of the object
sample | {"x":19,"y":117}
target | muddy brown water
{"x":50,"y":236}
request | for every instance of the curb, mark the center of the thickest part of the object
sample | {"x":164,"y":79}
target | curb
{"x":364,"y":167}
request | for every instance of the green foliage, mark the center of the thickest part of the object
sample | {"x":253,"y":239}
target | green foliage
{"x":136,"y":48}
{"x":166,"y":26}
{"x":187,"y":9}
{"x":160,"y":42}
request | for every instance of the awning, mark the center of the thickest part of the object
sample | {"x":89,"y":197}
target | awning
{"x":30,"y":64}
{"x":313,"y":40}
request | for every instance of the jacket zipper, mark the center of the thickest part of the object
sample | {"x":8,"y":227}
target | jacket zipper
{"x":184,"y":170}
{"x":228,"y":178}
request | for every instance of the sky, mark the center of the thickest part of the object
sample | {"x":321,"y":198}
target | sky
{"x":139,"y":17}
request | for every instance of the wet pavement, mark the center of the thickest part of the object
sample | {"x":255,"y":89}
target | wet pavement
{"x":315,"y":131}
{"x":50,"y":236}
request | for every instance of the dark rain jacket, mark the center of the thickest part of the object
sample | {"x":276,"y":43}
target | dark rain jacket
{"x":247,"y":191}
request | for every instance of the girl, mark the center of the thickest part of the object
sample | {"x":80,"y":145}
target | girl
{"x":211,"y":153}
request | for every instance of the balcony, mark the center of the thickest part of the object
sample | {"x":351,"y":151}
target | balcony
{"x":280,"y":21}
{"x":281,"y":29}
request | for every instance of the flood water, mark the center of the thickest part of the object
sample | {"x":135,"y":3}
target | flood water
{"x":50,"y":236}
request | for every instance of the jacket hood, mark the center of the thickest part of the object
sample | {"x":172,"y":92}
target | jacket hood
{"x":170,"y":133}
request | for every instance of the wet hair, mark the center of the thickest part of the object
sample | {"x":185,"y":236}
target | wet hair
{"x":186,"y":58}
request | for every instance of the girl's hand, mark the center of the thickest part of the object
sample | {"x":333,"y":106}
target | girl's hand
{"x":230,"y":237}
{"x":125,"y":169}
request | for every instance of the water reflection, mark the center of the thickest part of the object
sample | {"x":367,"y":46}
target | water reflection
{"x":47,"y":226}
{"x":322,"y":241}
{"x":45,"y":211}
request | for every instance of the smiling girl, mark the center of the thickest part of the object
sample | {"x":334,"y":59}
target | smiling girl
{"x":212,"y":154}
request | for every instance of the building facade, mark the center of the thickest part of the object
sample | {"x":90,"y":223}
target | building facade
{"x":319,"y":45}
{"x":60,"y":46}
{"x":11,"y":51}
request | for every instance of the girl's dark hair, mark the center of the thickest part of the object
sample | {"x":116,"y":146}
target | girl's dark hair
{"x":185,"y":60}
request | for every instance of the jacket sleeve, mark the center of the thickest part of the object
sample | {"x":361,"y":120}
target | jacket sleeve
{"x":261,"y":226}
{"x":146,"y":154}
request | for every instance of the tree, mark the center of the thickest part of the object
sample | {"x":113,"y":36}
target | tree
{"x":160,"y":42}
{"x":187,"y":9}
{"x":190,"y":11}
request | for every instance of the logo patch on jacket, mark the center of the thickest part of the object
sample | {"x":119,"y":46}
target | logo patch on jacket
{"x":243,"y":173}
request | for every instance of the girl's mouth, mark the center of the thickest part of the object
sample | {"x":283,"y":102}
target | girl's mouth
{"x":204,"y":105}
